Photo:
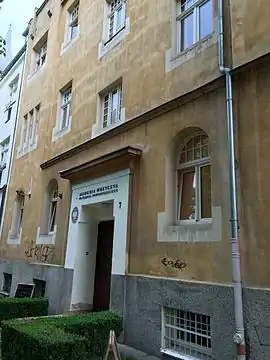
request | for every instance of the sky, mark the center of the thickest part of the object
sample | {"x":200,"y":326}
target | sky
{"x":17,"y":13}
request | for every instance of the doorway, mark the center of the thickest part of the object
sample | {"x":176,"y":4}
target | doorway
{"x":102,"y":284}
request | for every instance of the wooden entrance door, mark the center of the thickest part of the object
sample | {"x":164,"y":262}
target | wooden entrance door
{"x":103,"y":270}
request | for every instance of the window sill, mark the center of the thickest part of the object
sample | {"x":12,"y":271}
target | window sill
{"x":173,"y":60}
{"x":14,"y":240}
{"x":68,"y":44}
{"x":176,"y":355}
{"x":98,"y":130}
{"x":57,"y":134}
{"x":190,"y":232}
{"x":106,"y":46}
{"x":4,"y":293}
{"x":37,"y":73}
{"x":23,"y":152}
{"x":46,"y":239}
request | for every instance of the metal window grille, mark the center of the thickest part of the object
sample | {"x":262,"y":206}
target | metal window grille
{"x":187,"y":334}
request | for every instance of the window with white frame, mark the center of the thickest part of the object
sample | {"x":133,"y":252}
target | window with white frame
{"x":13,"y":86}
{"x":194,"y":22}
{"x":17,"y":218}
{"x":65,"y":108}
{"x":41,"y":55}
{"x":4,"y":147}
{"x":73,"y":23}
{"x":186,"y":334}
{"x":194,"y":180}
{"x":52,"y":212}
{"x":111,"y":107}
{"x":116,"y":17}
{"x":30,"y":129}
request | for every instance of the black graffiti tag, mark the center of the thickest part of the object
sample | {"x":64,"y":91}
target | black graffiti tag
{"x":179,"y":265}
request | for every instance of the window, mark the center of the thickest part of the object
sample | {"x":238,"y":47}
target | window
{"x":194,"y":22}
{"x":111,"y":107}
{"x":30,"y":129}
{"x":73,"y":22}
{"x":65,"y":108}
{"x":13,"y":89}
{"x":116,"y":17}
{"x":187,"y":334}
{"x":9,"y":112}
{"x":194,"y":180}
{"x":17,"y":219}
{"x":4,"y":147}
{"x":41,"y":56}
{"x":40,"y":288}
{"x":52,"y":214}
{"x":7,"y":283}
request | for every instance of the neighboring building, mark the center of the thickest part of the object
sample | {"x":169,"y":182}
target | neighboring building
{"x":10,"y":86}
{"x":119,"y":191}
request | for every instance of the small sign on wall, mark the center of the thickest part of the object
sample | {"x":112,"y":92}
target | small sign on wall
{"x":75,"y":215}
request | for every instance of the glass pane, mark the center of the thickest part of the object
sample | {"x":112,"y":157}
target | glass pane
{"x":188,"y":195}
{"x":185,"y":4}
{"x":206,"y":204}
{"x":64,"y":117}
{"x":73,"y":31}
{"x":187,"y":32}
{"x":120,"y":18}
{"x":206,"y":19}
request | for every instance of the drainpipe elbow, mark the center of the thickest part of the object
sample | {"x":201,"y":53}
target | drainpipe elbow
{"x":224,"y":70}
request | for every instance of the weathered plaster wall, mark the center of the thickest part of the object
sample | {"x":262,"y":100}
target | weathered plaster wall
{"x":250,"y":30}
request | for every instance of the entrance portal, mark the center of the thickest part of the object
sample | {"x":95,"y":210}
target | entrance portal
{"x":102,"y":285}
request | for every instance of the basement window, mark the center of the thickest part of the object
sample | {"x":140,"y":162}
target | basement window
{"x":186,"y":335}
{"x":40,"y":288}
{"x":7,"y":281}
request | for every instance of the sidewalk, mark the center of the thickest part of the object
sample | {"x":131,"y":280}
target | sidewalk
{"x":129,"y":352}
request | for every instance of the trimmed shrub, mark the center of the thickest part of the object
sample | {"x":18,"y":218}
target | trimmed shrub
{"x":22,"y":341}
{"x":13,"y":308}
{"x":59,"y":338}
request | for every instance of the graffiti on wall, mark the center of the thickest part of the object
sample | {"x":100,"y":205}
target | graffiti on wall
{"x":176,"y":264}
{"x":41,"y":253}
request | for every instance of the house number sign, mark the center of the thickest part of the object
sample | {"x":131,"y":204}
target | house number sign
{"x":75,"y":215}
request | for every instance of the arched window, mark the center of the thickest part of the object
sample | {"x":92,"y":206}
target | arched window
{"x":194,"y":179}
{"x":49,"y":208}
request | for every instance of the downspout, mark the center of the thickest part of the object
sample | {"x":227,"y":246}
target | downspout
{"x":239,"y":336}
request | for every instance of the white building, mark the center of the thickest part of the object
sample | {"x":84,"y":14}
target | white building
{"x":10,"y":90}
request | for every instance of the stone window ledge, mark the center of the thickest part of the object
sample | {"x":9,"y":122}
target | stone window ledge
{"x":14,"y":240}
{"x":46,"y":239}
{"x":173,"y":60}
{"x":37,"y":73}
{"x":57,"y":134}
{"x":21,"y":152}
{"x":208,"y":231}
{"x":105,"y":46}
{"x":68,"y":44}
{"x":98,"y":130}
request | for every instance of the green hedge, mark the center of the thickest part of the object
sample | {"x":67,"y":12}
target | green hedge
{"x":59,"y":338}
{"x":13,"y":308}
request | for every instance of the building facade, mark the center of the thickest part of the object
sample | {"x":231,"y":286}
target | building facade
{"x":10,"y":90}
{"x":120,"y":194}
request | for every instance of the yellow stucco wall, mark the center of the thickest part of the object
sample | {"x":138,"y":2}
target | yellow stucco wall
{"x":140,"y":60}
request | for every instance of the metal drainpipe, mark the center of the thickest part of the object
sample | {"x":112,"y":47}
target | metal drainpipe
{"x":239,"y":336}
